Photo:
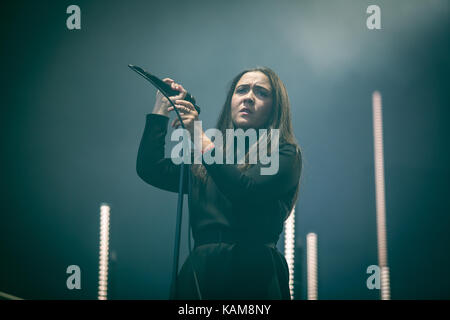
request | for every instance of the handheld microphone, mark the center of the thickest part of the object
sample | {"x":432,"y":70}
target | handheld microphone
{"x":165,"y":88}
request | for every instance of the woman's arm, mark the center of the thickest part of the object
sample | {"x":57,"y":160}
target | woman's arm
{"x":151,"y":165}
{"x":251,"y":185}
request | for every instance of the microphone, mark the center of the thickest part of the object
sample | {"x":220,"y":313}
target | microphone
{"x":165,"y":88}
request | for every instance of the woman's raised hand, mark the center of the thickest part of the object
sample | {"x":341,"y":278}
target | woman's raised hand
{"x":161,"y":102}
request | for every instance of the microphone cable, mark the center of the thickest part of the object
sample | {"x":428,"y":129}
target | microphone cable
{"x":188,"y":167}
{"x":189,"y":237}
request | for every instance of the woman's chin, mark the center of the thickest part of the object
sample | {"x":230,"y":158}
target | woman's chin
{"x":242,"y":124}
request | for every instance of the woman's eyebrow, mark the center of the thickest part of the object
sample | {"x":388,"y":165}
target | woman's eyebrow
{"x":256,"y":85}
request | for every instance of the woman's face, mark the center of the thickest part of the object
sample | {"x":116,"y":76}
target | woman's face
{"x":251,"y":104}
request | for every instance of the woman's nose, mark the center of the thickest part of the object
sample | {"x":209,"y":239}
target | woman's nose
{"x":250,"y":98}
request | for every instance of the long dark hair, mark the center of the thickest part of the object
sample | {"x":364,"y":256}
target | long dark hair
{"x":280,"y":118}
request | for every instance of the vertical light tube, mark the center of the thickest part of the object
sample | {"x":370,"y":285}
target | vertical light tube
{"x":103,"y":252}
{"x":311,"y":261}
{"x":380,"y":194}
{"x":289,"y":248}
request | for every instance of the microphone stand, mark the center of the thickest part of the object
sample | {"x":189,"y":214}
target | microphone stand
{"x":176,"y":251}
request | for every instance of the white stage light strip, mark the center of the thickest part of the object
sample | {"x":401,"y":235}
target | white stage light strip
{"x":9,"y":296}
{"x":380,"y":194}
{"x":104,"y":252}
{"x":311,"y":261}
{"x":289,"y":248}
{"x":385,"y":285}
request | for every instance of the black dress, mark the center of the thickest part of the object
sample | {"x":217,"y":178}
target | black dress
{"x":236,"y":218}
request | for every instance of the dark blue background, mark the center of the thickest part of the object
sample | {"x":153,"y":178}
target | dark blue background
{"x":73,"y":114}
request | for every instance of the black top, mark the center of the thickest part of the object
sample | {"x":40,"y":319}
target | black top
{"x":252,"y":205}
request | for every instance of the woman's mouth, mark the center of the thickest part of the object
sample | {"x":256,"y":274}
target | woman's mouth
{"x":244,"y":111}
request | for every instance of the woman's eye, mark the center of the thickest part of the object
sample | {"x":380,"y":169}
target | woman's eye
{"x":259,"y":92}
{"x":262,"y":93}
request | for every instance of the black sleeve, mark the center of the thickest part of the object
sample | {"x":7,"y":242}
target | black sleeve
{"x":251,"y":184}
{"x":151,"y":165}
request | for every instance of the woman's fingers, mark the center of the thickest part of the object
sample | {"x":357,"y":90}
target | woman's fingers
{"x":176,"y":123}
{"x":179,"y":88}
{"x":181,"y":95}
{"x":175,"y":86}
{"x":186,"y":117}
{"x":184,"y":107}
{"x":186,"y":103}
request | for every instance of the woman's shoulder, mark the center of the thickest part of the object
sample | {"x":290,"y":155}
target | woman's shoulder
{"x":289,"y":148}
{"x":292,"y":154}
